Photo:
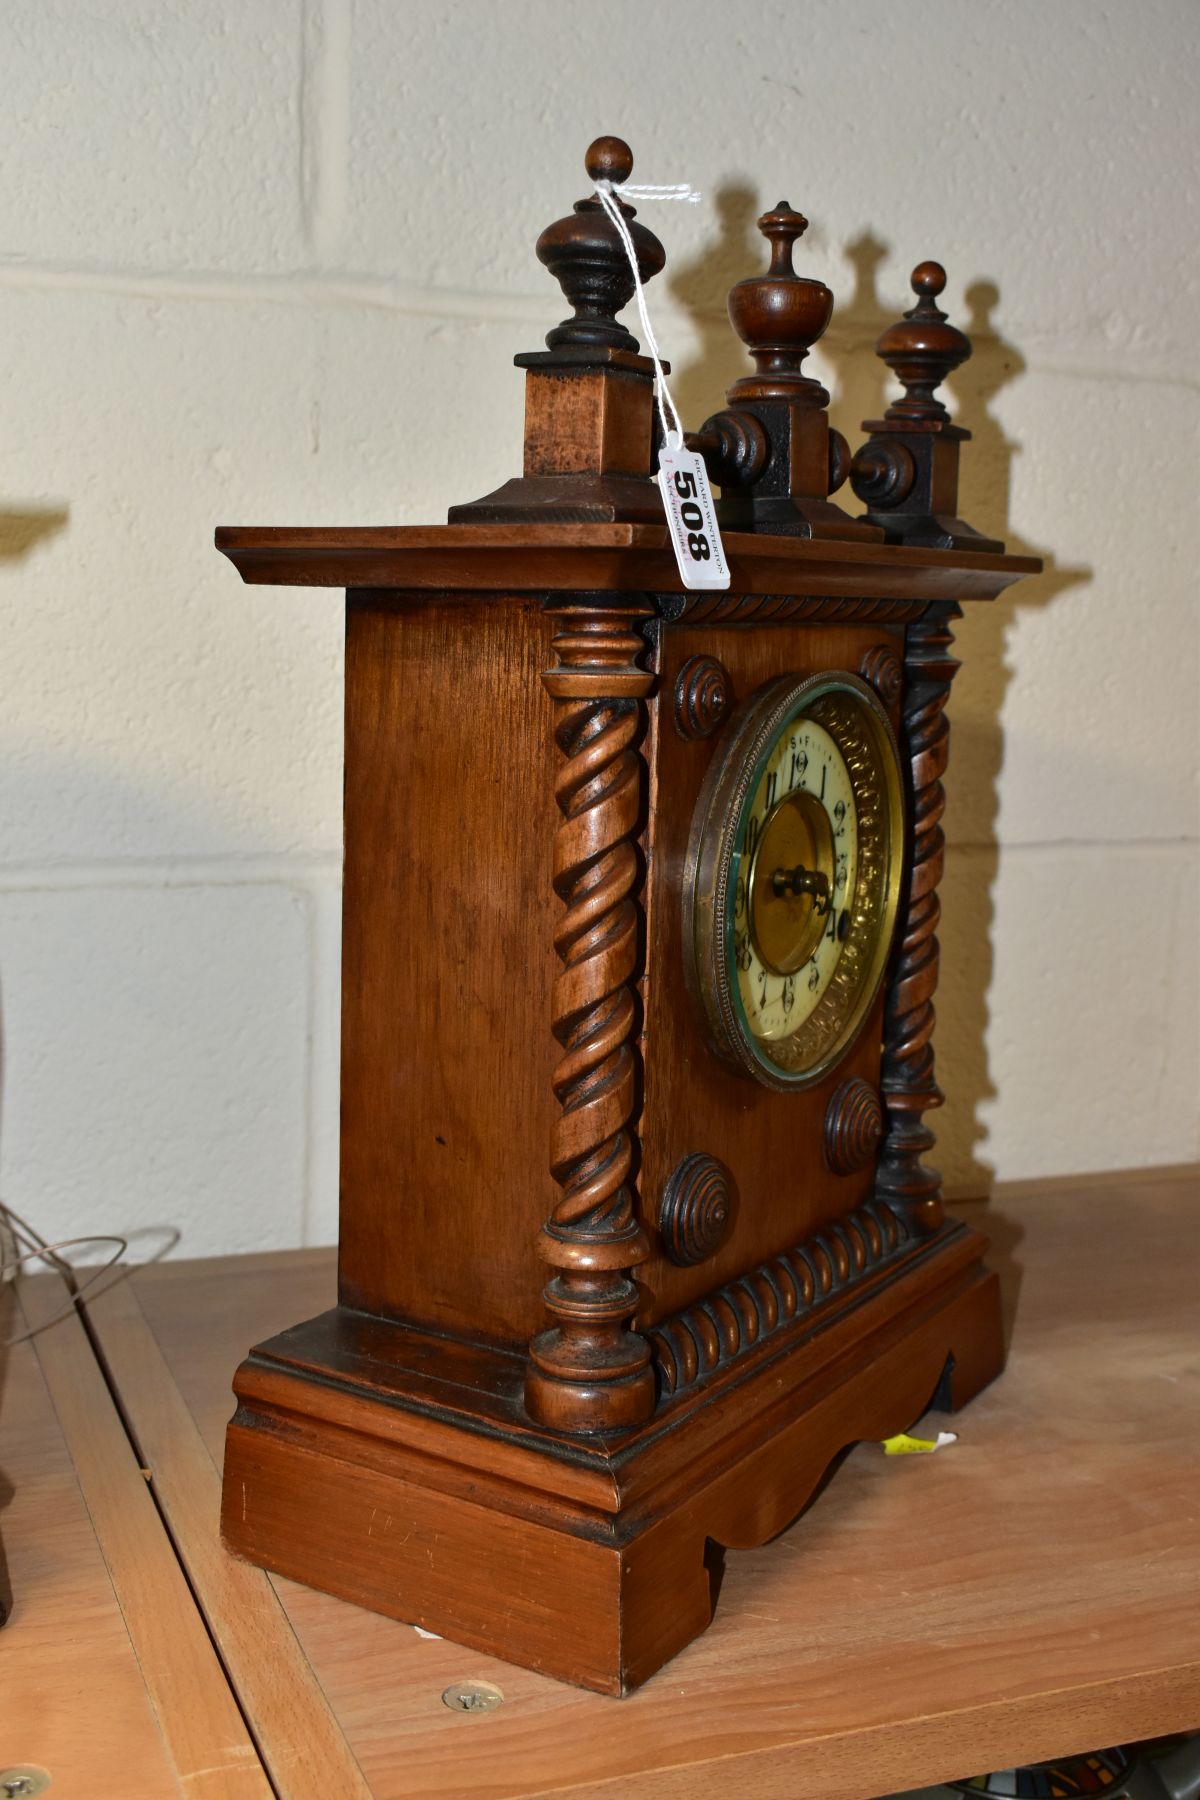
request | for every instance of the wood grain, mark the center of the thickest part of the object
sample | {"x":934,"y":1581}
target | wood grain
{"x":591,"y":420}
{"x":364,"y":1461}
{"x":626,"y":558}
{"x":300,"y":1742}
{"x":207,"y":1745}
{"x":1062,"y":1187}
{"x":448,"y":891}
{"x":1044,"y":1602}
{"x":448,"y":926}
{"x":73,"y":1699}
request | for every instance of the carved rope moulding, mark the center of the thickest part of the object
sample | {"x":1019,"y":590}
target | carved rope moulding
{"x":764,"y":609}
{"x":726,"y":1324}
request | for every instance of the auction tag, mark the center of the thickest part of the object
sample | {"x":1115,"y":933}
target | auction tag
{"x":691,"y":517}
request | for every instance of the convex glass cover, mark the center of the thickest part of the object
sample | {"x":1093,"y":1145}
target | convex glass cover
{"x":792,"y":876}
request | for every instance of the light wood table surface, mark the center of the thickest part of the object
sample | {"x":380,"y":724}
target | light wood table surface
{"x":1032,"y":1591}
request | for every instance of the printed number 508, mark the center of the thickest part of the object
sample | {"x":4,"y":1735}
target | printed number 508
{"x":693,"y":518}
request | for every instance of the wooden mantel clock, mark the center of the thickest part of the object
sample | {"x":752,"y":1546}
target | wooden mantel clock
{"x":639,"y":960}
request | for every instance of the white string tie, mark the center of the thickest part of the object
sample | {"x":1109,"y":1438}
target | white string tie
{"x":649,"y":190}
{"x":680,"y":190}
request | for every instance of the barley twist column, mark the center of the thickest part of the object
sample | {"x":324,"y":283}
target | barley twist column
{"x":909,"y":1089}
{"x":588,"y":1371}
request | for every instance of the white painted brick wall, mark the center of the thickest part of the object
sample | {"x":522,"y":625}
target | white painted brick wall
{"x":248,"y":251}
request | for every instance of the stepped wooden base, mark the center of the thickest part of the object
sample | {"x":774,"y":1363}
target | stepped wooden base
{"x":399,"y":1470}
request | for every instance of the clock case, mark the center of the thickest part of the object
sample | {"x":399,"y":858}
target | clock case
{"x":605,"y":1306}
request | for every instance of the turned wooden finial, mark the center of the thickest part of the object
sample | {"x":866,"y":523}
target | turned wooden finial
{"x":586,"y":257}
{"x":907,"y":471}
{"x":589,"y":396}
{"x":922,"y":349}
{"x":779,"y":316}
{"x":772,"y":450}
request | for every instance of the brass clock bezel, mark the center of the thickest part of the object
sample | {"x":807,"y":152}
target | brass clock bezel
{"x":868,"y":746}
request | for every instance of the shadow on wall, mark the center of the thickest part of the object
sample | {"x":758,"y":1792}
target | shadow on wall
{"x":155,"y":1015}
{"x":862,"y":387}
{"x":701,"y":287}
{"x":21,"y":531}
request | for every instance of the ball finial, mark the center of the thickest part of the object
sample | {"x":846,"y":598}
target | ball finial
{"x":609,"y":159}
{"x":588,"y":259}
{"x":928,"y":279}
{"x":921,"y":349}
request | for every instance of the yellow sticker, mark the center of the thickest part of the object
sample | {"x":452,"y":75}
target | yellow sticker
{"x":905,"y":1445}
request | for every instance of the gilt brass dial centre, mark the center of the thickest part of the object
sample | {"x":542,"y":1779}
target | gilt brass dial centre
{"x":792,"y":878}
{"x":791,"y":882}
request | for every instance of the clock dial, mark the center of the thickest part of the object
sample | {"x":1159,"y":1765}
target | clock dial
{"x":793,"y":876}
{"x":797,"y":861}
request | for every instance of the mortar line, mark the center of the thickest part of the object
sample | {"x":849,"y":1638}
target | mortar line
{"x":284,"y":871}
{"x":1000,"y":846}
{"x":173,"y":872}
{"x":324,"y":105}
{"x":300,"y":287}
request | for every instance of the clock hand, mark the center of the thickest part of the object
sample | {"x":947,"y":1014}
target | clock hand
{"x":803,"y":881}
